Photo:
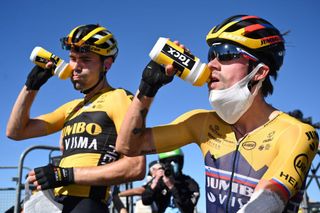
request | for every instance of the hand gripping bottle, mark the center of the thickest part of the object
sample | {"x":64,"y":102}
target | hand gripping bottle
{"x":41,"y":57}
{"x":189,"y":67}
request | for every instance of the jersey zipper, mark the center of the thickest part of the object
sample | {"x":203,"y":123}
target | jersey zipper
{"x":232,"y":173}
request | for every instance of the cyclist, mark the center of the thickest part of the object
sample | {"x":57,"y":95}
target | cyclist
{"x":89,"y":126}
{"x":256,"y":156}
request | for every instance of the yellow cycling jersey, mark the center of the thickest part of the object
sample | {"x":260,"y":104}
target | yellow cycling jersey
{"x":280,"y":151}
{"x":89,"y":131}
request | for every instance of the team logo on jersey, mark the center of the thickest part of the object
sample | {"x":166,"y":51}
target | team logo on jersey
{"x":301,"y":164}
{"x":269,"y":137}
{"x":214,"y":130}
{"x":249,"y":145}
{"x":264,"y":147}
{"x":82,"y":127}
{"x":312,"y":135}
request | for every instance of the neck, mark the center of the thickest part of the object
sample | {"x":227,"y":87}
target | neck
{"x":257,"y":115}
{"x":102,"y":84}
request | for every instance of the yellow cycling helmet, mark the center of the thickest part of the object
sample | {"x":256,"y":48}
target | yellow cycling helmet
{"x":254,"y":34}
{"x":93,"y":38}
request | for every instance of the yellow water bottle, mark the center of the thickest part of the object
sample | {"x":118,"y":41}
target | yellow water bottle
{"x":41,"y":57}
{"x":189,"y":67}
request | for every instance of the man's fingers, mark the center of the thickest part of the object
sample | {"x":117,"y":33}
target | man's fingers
{"x":31,"y":177}
{"x":38,"y":187}
{"x":170,"y":70}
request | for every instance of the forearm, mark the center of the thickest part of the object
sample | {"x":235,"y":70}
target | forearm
{"x":118,"y":172}
{"x":132,"y":192}
{"x":133,"y":133}
{"x":20,"y":115}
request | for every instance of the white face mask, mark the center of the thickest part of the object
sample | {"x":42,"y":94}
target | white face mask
{"x":233,"y":102}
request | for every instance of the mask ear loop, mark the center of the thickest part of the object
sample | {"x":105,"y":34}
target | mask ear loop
{"x":252,"y":66}
{"x":252,"y":83}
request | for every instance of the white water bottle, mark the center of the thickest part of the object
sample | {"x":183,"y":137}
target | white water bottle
{"x":41,"y":57}
{"x":189,"y":67}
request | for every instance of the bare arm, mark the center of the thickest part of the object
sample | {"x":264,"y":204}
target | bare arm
{"x":132,"y":192}
{"x":134,"y":138}
{"x":20,"y":126}
{"x":121,"y":171}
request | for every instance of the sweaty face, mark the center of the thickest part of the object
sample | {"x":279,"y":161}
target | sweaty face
{"x":86,"y":69}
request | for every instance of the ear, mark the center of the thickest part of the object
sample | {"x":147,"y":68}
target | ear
{"x":107,"y":63}
{"x":262,"y":73}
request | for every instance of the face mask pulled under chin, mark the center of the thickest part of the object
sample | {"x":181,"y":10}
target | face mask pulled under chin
{"x":231,"y":103}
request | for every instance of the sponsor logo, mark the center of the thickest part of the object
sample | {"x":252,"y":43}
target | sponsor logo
{"x":288,"y":178}
{"x":301,"y":163}
{"x":248,"y":145}
{"x":215,"y":130}
{"x":177,"y":56}
{"x":269,"y":137}
{"x":233,"y":37}
{"x":223,"y":185}
{"x":82,"y":127}
{"x":80,"y":143}
{"x":271,"y":40}
{"x":312,"y":135}
{"x":221,"y":199}
{"x":215,"y":143}
{"x":264,"y":147}
{"x":218,"y":189}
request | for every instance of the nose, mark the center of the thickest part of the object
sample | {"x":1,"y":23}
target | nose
{"x":76,"y":66}
{"x":214,"y":65}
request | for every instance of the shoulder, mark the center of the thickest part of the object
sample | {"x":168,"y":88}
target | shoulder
{"x":293,"y":129}
{"x":195,"y":114}
{"x":72,"y":103}
{"x":117,"y":92}
{"x":293,"y":123}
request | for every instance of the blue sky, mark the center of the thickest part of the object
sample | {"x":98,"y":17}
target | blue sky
{"x":137,"y":26}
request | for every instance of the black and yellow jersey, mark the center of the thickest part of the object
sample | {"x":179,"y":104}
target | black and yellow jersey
{"x":280,"y":151}
{"x":89,"y":131}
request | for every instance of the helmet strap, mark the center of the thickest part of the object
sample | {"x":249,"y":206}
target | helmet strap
{"x":101,"y":76}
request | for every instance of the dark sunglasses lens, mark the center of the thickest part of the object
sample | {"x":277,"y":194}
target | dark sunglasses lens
{"x":223,"y":52}
{"x":211,"y":54}
{"x":228,"y":56}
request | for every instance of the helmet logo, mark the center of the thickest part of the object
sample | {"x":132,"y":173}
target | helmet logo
{"x":271,"y":40}
{"x":229,"y":36}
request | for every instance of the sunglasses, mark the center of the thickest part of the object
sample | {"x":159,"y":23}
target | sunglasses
{"x":82,"y":49}
{"x":228,"y":52}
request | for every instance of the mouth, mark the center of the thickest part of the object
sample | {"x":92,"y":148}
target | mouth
{"x":213,"y":82}
{"x":75,"y":77}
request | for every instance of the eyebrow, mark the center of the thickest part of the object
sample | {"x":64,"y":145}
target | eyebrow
{"x":81,"y":56}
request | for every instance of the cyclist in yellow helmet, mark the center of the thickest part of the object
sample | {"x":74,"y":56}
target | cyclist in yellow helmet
{"x":89,"y":126}
{"x":256,"y":156}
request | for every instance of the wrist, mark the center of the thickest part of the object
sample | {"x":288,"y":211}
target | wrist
{"x":67,"y":175}
{"x":147,"y":90}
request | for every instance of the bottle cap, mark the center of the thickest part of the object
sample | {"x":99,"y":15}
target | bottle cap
{"x":157,"y":47}
{"x":63,"y":70}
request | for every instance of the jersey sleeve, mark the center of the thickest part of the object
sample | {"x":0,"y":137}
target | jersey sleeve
{"x":55,"y":120}
{"x":121,"y":100}
{"x":184,"y":130}
{"x":297,"y":147}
